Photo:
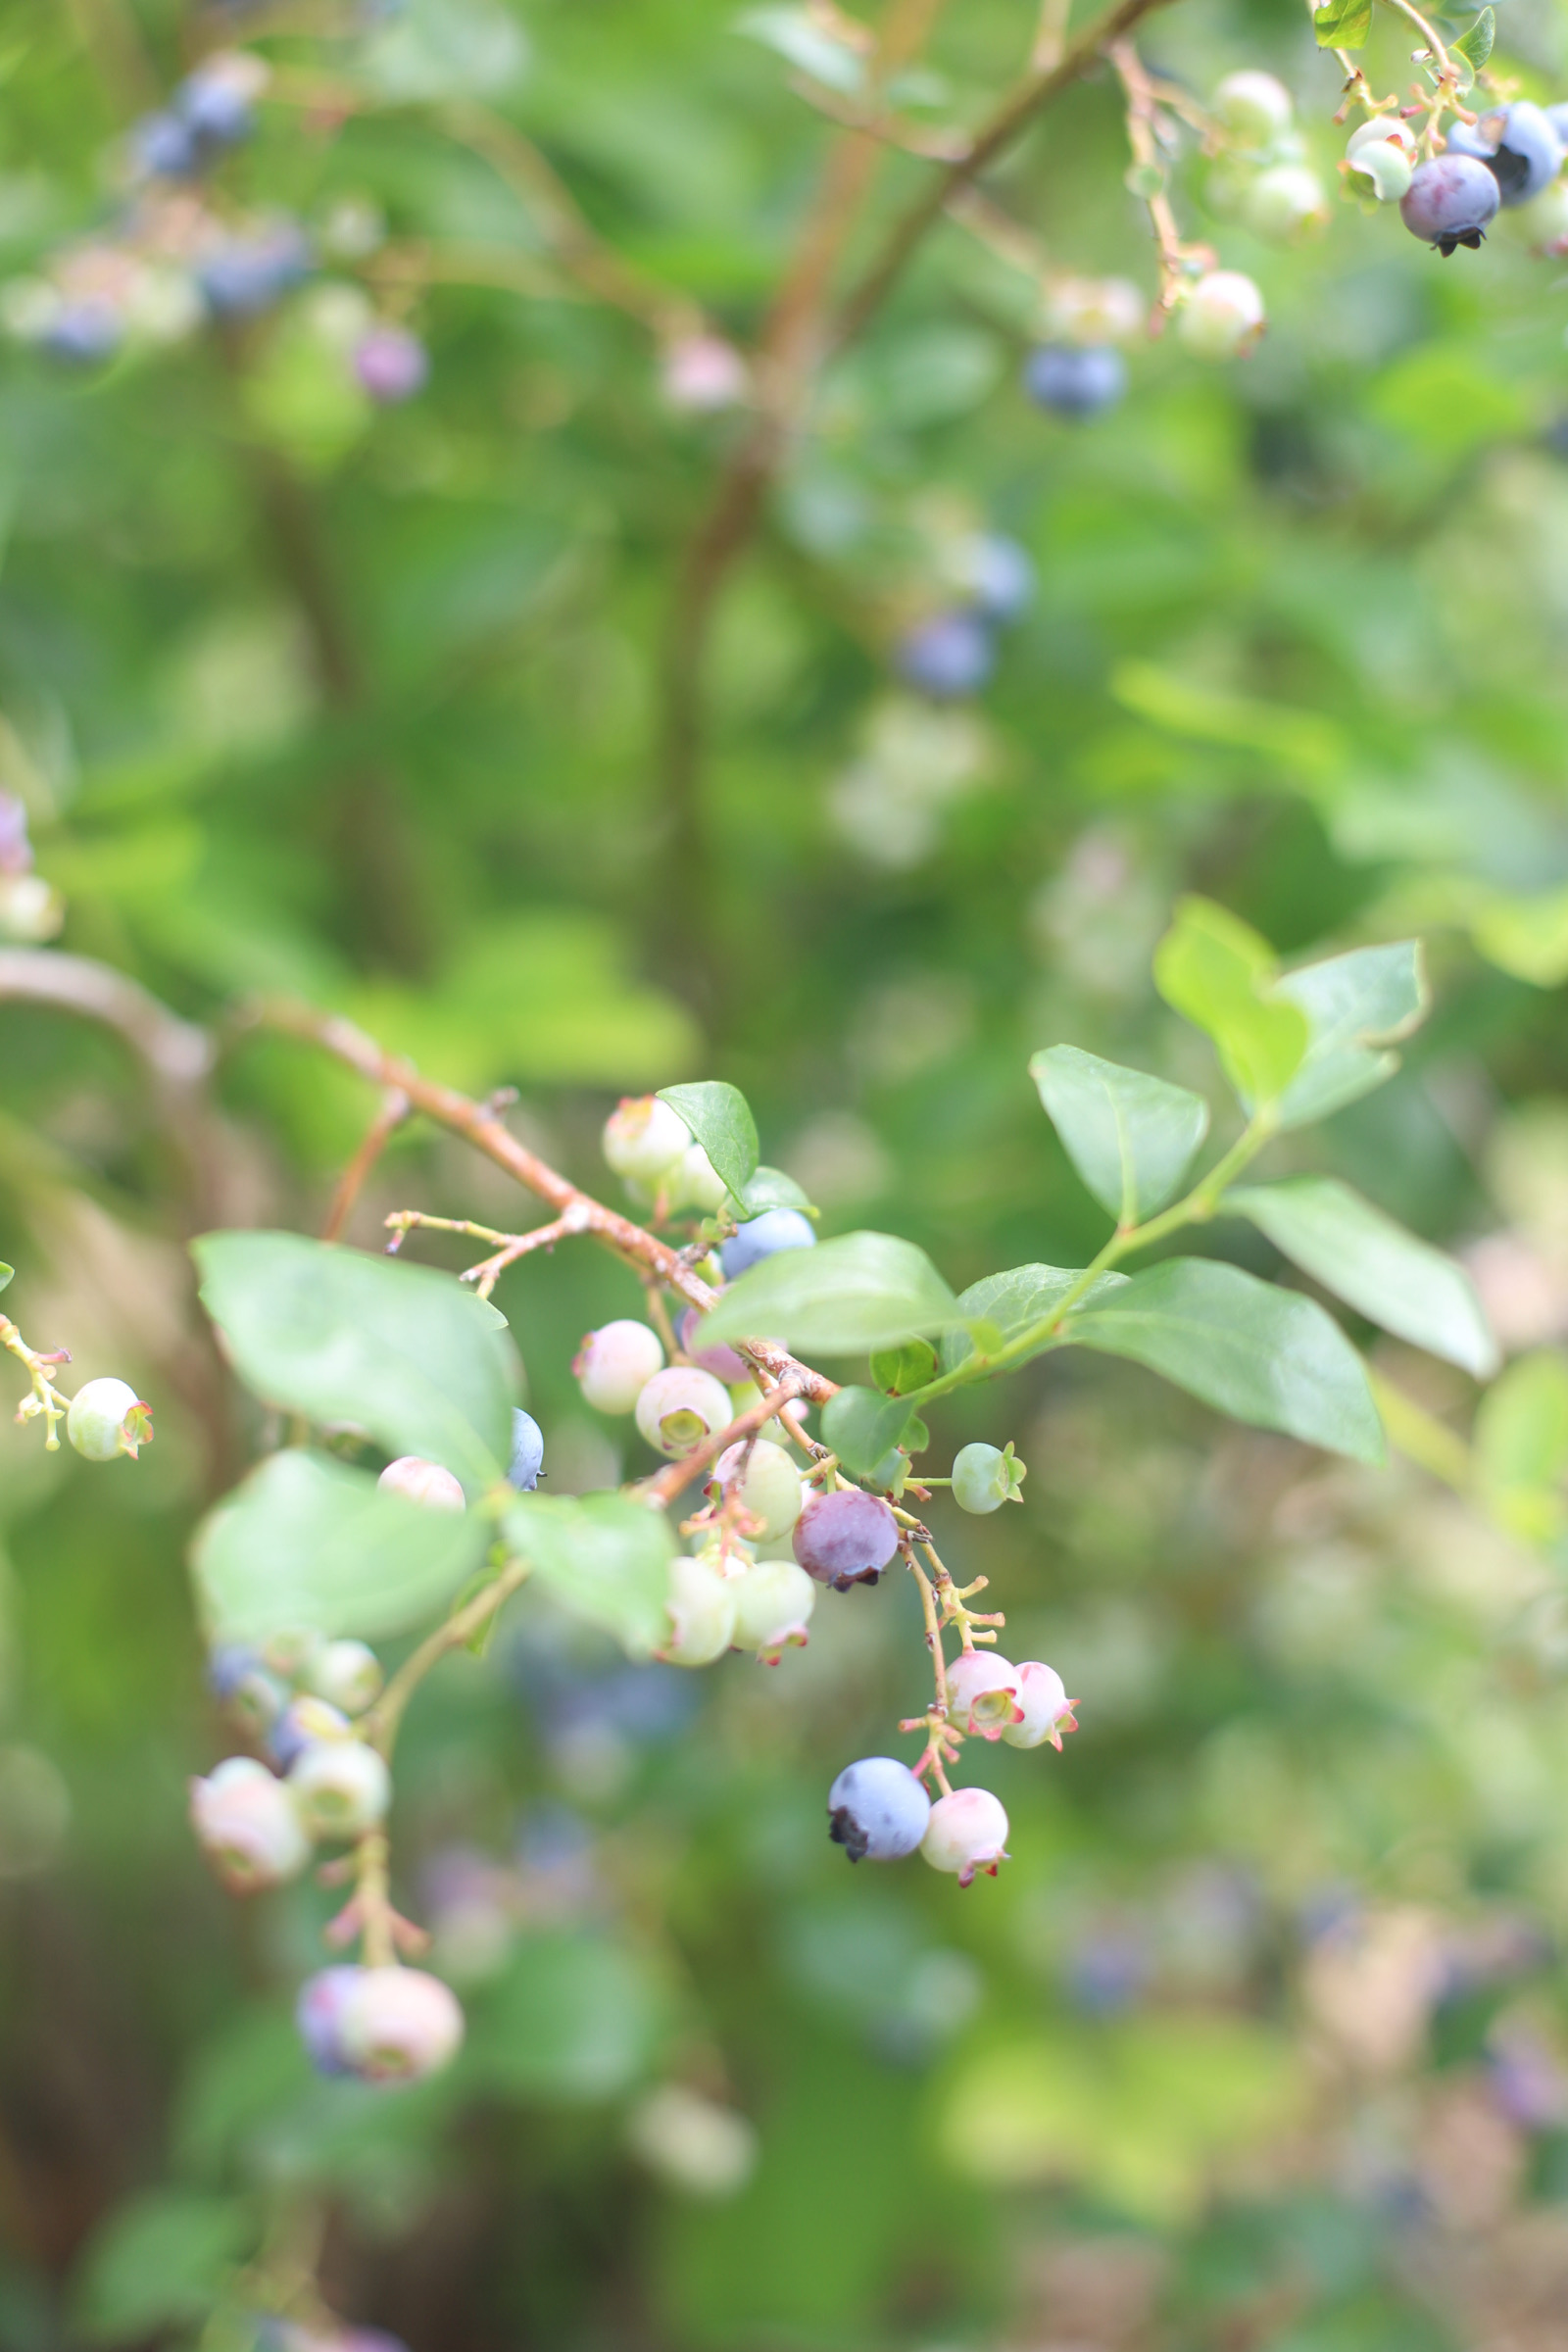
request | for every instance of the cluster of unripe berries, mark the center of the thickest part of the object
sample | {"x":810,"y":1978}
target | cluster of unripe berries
{"x":1508,"y":159}
{"x":879,"y":1811}
{"x":175,"y":261}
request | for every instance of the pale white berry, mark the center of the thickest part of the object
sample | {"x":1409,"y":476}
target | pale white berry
{"x":773,"y":1605}
{"x":695,"y":1183}
{"x":108,"y":1419}
{"x":702,"y":1610}
{"x":397,"y":2025}
{"x":644,"y":1138}
{"x":1045,"y":1708}
{"x":248,"y":1826}
{"x":1254,"y":105}
{"x":768,"y":1484}
{"x":341,"y":1787}
{"x":616,"y":1363}
{"x":680,"y":1408}
{"x":1383,"y":151}
{"x":1093,"y":311}
{"x":982,"y":1693}
{"x":1285,"y":204}
{"x":423,"y":1481}
{"x":701,"y":374}
{"x":347,"y":1674}
{"x":967,"y":1832}
{"x":1222,"y":316}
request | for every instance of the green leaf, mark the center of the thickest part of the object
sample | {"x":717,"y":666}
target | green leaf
{"x":1475,"y":46}
{"x":7,"y":1274}
{"x":1521,"y":1444}
{"x":307,"y":1545}
{"x":844,"y":1297}
{"x":400,"y":1352}
{"x":1372,"y":1263}
{"x":1216,"y":971}
{"x":444,"y":49}
{"x":770,"y":1188}
{"x":1344,"y":23}
{"x":1129,"y":1137}
{"x":863,"y":1427}
{"x":898,"y":1371}
{"x":1355,"y":1006}
{"x":161,"y":2260}
{"x":1262,"y":1354}
{"x":604,"y":1556}
{"x":574,"y":2020}
{"x":721,"y":1118}
{"x":1011,"y":1303}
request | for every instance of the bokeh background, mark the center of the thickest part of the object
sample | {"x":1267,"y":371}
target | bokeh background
{"x":1260,"y":2040}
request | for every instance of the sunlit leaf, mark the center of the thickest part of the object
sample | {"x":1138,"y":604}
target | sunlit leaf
{"x":721,"y":1118}
{"x":307,"y":1545}
{"x":398,"y":1351}
{"x":844,"y":1297}
{"x":1356,"y":1006}
{"x":1129,"y":1137}
{"x":1013,"y":1302}
{"x":1259,"y":1353}
{"x":1218,"y":973}
{"x":605,"y":1558}
{"x":1372,"y":1263}
{"x":863,"y":1427}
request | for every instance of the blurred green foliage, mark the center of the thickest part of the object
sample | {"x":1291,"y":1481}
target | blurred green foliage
{"x":1261,"y":2038}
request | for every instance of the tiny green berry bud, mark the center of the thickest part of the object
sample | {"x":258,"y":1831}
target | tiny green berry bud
{"x":108,"y":1419}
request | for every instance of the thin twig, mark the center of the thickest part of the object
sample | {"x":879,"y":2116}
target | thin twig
{"x":380,"y":1726}
{"x":479,"y":1125}
{"x":663,"y":1487}
{"x":388,"y":1120}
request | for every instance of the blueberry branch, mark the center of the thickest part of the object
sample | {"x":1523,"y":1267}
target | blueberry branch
{"x":45,"y":1399}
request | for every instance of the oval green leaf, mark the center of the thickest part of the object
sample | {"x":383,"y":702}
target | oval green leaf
{"x":846,"y":1297}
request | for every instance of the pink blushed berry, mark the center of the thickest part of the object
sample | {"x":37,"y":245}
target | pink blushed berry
{"x":982,"y":1693}
{"x":968,"y":1833}
{"x":248,"y":1826}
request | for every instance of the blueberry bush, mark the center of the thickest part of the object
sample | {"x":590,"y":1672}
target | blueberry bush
{"x":959,"y":568}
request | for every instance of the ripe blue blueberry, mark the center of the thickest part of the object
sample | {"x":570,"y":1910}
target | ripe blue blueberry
{"x":215,"y":101}
{"x":528,"y":1451}
{"x":227,"y":1667}
{"x":878,"y":1810}
{"x":163,"y":147}
{"x":1473,"y":138}
{"x":948,"y":656}
{"x":765,"y":1236}
{"x":1000,"y":578}
{"x":1449,"y":202}
{"x":1528,"y":153}
{"x":1557,"y":117}
{"x":1075,"y":380}
{"x":83,"y":333}
{"x":251,"y":271}
{"x":845,"y":1539}
{"x":302,"y":1722}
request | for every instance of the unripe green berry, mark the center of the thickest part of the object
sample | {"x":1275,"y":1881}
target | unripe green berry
{"x":702,"y":1611}
{"x":1285,"y":204}
{"x":108,"y":1419}
{"x":341,"y":1788}
{"x":644,"y":1138}
{"x":985,"y":1477}
{"x":1254,"y":105}
{"x":773,"y":1605}
{"x":768,"y":1484}
{"x":346,"y":1674}
{"x":1222,"y":316}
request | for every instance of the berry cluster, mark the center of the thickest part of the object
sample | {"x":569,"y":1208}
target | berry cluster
{"x":180,"y":253}
{"x":951,"y":653}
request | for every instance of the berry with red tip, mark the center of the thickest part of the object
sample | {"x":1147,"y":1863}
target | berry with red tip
{"x":878,"y":1810}
{"x":773,"y":1605}
{"x":1045,"y":1712}
{"x":1449,"y":202}
{"x":248,"y":1826}
{"x":108,"y":1419}
{"x":968,"y":1833}
{"x":680,"y":1408}
{"x":614,"y":1364}
{"x":845,"y":1539}
{"x":423,"y":1481}
{"x":982,"y":1693}
{"x":383,"y":2025}
{"x":644,"y":1138}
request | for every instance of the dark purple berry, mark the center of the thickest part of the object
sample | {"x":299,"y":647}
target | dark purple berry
{"x":1449,"y":202}
{"x":1075,"y":380}
{"x":845,"y":1539}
